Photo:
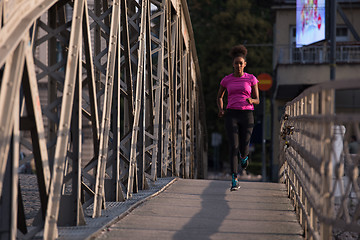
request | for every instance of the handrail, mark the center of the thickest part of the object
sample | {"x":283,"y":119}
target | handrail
{"x":317,"y":54}
{"x":321,"y":175}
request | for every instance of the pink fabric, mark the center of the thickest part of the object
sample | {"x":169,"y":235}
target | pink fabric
{"x":239,"y":89}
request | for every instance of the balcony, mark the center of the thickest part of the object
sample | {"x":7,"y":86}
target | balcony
{"x":317,"y":54}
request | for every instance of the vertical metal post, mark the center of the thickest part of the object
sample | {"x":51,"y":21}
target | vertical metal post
{"x":106,"y":115}
{"x":9,"y":196}
{"x":332,"y":15}
{"x":170,"y":37}
{"x":52,"y":84}
{"x":91,"y":84}
{"x":152,"y":140}
{"x":50,"y":227}
{"x":263,"y":156}
{"x":115,"y":180}
{"x":132,"y":183}
{"x":191,"y":114}
{"x":157,"y":166}
{"x":142,"y":120}
{"x":15,"y":168}
{"x":10,"y":86}
{"x":97,"y":43}
{"x":72,"y":212}
{"x":33,"y":110}
{"x":128,"y":78}
{"x":326,"y":165}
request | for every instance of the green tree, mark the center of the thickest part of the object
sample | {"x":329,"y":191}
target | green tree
{"x":218,"y":26}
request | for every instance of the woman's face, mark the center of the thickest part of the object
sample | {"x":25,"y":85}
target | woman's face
{"x":239,"y":65}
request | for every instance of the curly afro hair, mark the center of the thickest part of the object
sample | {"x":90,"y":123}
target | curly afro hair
{"x":238,"y":51}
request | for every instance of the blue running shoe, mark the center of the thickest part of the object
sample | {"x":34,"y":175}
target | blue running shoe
{"x":244,"y":162}
{"x":234,"y":183}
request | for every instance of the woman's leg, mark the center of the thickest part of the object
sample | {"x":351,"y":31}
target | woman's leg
{"x":246,"y":127}
{"x":232,"y":131}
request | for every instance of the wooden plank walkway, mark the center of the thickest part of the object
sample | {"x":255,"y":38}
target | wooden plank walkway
{"x":207,"y":209}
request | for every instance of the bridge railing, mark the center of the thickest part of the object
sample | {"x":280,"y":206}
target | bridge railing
{"x":317,"y":54}
{"x":103,"y":96}
{"x":318,"y":166}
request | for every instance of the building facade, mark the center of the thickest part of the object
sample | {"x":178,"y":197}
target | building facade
{"x":295,"y":69}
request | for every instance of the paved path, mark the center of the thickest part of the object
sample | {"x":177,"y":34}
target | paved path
{"x":206,"y":209}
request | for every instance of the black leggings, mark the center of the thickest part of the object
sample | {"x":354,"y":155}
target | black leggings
{"x":239,"y":126}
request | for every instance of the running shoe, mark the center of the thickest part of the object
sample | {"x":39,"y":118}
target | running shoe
{"x":244,"y":162}
{"x":234,"y":183}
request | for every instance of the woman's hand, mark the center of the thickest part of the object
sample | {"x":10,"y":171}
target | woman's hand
{"x":250,"y":101}
{"x":221,"y":113}
{"x":254,"y":95}
{"x":220,"y":102}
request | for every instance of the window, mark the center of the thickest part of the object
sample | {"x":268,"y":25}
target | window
{"x":342,"y":34}
{"x":294,"y":51}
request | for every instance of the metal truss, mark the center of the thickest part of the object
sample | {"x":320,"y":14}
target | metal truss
{"x":102,"y":96}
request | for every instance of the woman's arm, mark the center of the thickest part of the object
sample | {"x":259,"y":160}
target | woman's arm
{"x":254,"y":94}
{"x":220,"y":102}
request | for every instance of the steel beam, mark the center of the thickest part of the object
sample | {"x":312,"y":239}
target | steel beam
{"x":106,"y":117}
{"x":10,"y":86}
{"x":18,"y":24}
{"x":9,"y":200}
{"x":50,"y":230}
{"x":133,"y":180}
{"x":33,"y":109}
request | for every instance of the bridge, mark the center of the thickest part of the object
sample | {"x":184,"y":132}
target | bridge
{"x":105,"y":99}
